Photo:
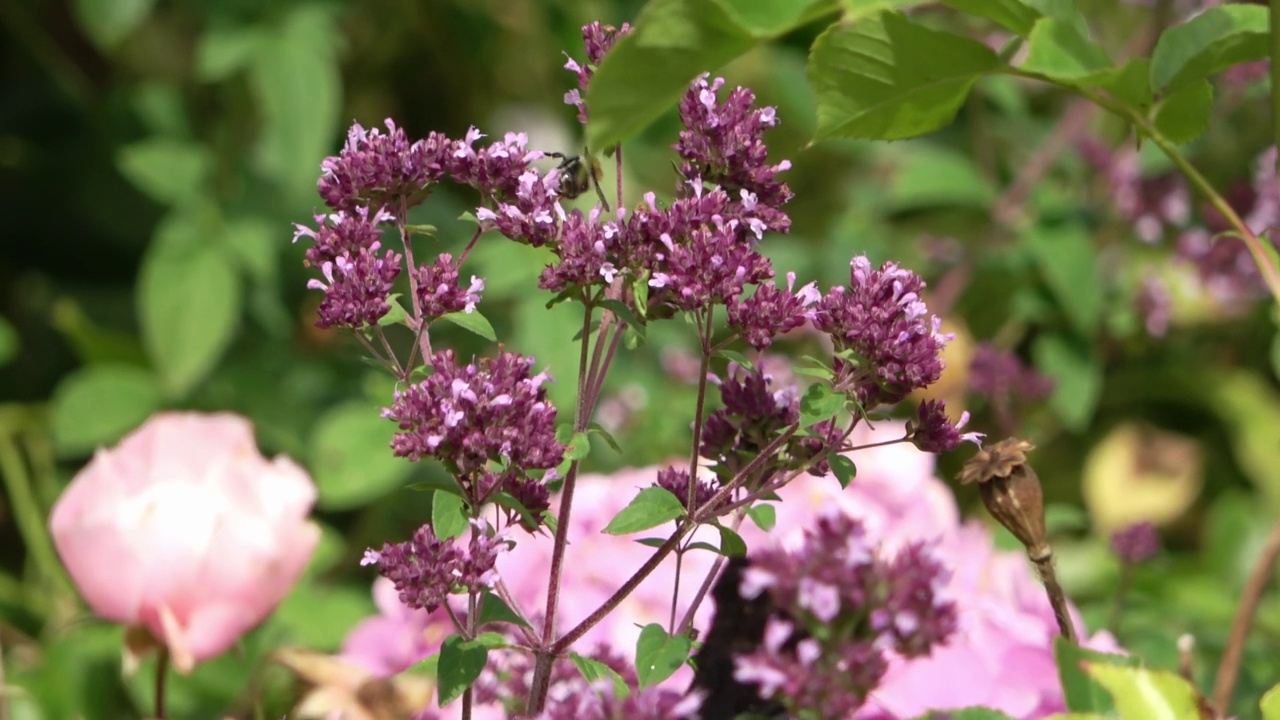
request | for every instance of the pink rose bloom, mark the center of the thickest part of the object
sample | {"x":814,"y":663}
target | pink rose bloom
{"x":1002,"y":653}
{"x":186,"y":530}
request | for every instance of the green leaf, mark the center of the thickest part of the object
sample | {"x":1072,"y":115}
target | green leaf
{"x":473,"y":322}
{"x":578,"y":447}
{"x":971,"y":713}
{"x":842,"y":467}
{"x":1057,"y":49}
{"x":646,"y":72}
{"x":737,"y":357}
{"x":764,"y":515}
{"x":1208,"y":43}
{"x":10,"y":343}
{"x":107,"y":23}
{"x":652,"y":507}
{"x":97,"y":405}
{"x":1271,"y":703}
{"x":1080,"y":692}
{"x":1184,"y":114}
{"x":448,"y":518}
{"x":165,"y":170}
{"x":819,"y":403}
{"x":188,"y":300}
{"x":885,"y":77}
{"x":319,"y":617}
{"x":593,"y":670}
{"x":598,"y":429}
{"x":1067,"y":260}
{"x":1130,"y":83}
{"x":769,"y":18}
{"x":223,"y":51}
{"x":461,"y":662}
{"x":397,"y":315}
{"x":1077,"y":375}
{"x":1012,"y":15}
{"x":930,"y":175}
{"x":658,"y":654}
{"x":731,"y":543}
{"x":1248,"y":407}
{"x":493,"y":609}
{"x":1143,"y":693}
{"x":296,"y":85}
{"x":350,"y":459}
{"x":1275,"y":355}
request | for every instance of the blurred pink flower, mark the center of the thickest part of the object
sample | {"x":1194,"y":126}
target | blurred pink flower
{"x":397,"y":637}
{"x":186,"y":530}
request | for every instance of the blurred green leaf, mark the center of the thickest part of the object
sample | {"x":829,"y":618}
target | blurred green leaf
{"x":10,"y":343}
{"x":1066,"y":258}
{"x":1057,"y":50}
{"x":1012,"y":15}
{"x":731,"y":543}
{"x":1271,"y":704}
{"x":166,"y":170}
{"x":319,"y":617}
{"x":1077,"y":376}
{"x":844,"y":469}
{"x":494,"y":609}
{"x":673,"y":41}
{"x":188,"y":299}
{"x":294,"y":76}
{"x":885,"y":77}
{"x":473,"y":322}
{"x":650,"y":508}
{"x":222,"y":51}
{"x":658,"y":654}
{"x":1275,"y":355}
{"x":460,"y":664}
{"x":764,"y":515}
{"x":1142,"y":693}
{"x":256,"y":242}
{"x":1080,"y":691}
{"x":1250,"y":410}
{"x":96,"y":405}
{"x":971,"y":713}
{"x":350,"y":457}
{"x":1210,"y":42}
{"x":1184,"y":114}
{"x":448,"y":516}
{"x":107,"y":22}
{"x":593,"y":670}
{"x":930,"y":175}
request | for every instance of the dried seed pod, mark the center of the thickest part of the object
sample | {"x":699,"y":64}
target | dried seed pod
{"x":1011,"y":491}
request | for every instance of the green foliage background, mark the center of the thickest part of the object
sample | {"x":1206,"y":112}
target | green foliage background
{"x":153,"y":156}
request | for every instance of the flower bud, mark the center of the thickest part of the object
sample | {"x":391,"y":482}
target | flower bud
{"x":1011,"y":491}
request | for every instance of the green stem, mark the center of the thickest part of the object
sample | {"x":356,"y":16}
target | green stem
{"x":26,"y":512}
{"x":162,"y":671}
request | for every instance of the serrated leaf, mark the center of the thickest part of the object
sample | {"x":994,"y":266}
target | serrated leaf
{"x":349,"y":457}
{"x":1185,"y":113}
{"x":448,"y":516}
{"x":885,"y":77}
{"x":473,"y":322}
{"x":650,"y":508}
{"x":1012,"y":15}
{"x":764,"y":515}
{"x":593,"y":670}
{"x":1077,"y":376}
{"x":166,"y":170}
{"x":843,"y":468}
{"x":96,"y":405}
{"x":731,"y":543}
{"x":460,"y":663}
{"x":1142,"y":693}
{"x":1208,"y":43}
{"x":188,"y":298}
{"x":1057,"y":49}
{"x":658,"y":654}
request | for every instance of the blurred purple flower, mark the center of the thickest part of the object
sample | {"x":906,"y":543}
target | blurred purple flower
{"x":1136,"y":543}
{"x":597,"y":39}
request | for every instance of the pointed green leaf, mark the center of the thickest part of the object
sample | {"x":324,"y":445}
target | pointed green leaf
{"x":658,"y":654}
{"x":473,"y":322}
{"x":1080,"y":692}
{"x":165,"y":170}
{"x":1185,"y":113}
{"x":885,"y":77}
{"x":593,"y":670}
{"x":1208,"y":43}
{"x":448,"y":518}
{"x":1130,"y":83}
{"x":731,"y":543}
{"x":769,"y":18}
{"x":460,"y":663}
{"x":1057,"y":50}
{"x":843,"y":468}
{"x":1143,"y":693}
{"x":494,"y":609}
{"x":1012,"y":15}
{"x":652,"y":507}
{"x":764,"y":515}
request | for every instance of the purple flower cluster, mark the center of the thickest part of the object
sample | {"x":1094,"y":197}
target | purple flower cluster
{"x":838,"y":608}
{"x":771,"y":312}
{"x":722,"y":143}
{"x":598,"y":39}
{"x":881,"y":325}
{"x":382,"y":170}
{"x":751,"y":416}
{"x":476,"y":417}
{"x":600,"y":702}
{"x":1136,"y":543}
{"x":357,"y":280}
{"x":932,"y":431}
{"x":496,"y":170}
{"x":676,"y":482}
{"x":438,"y":290}
{"x":426,"y":569}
